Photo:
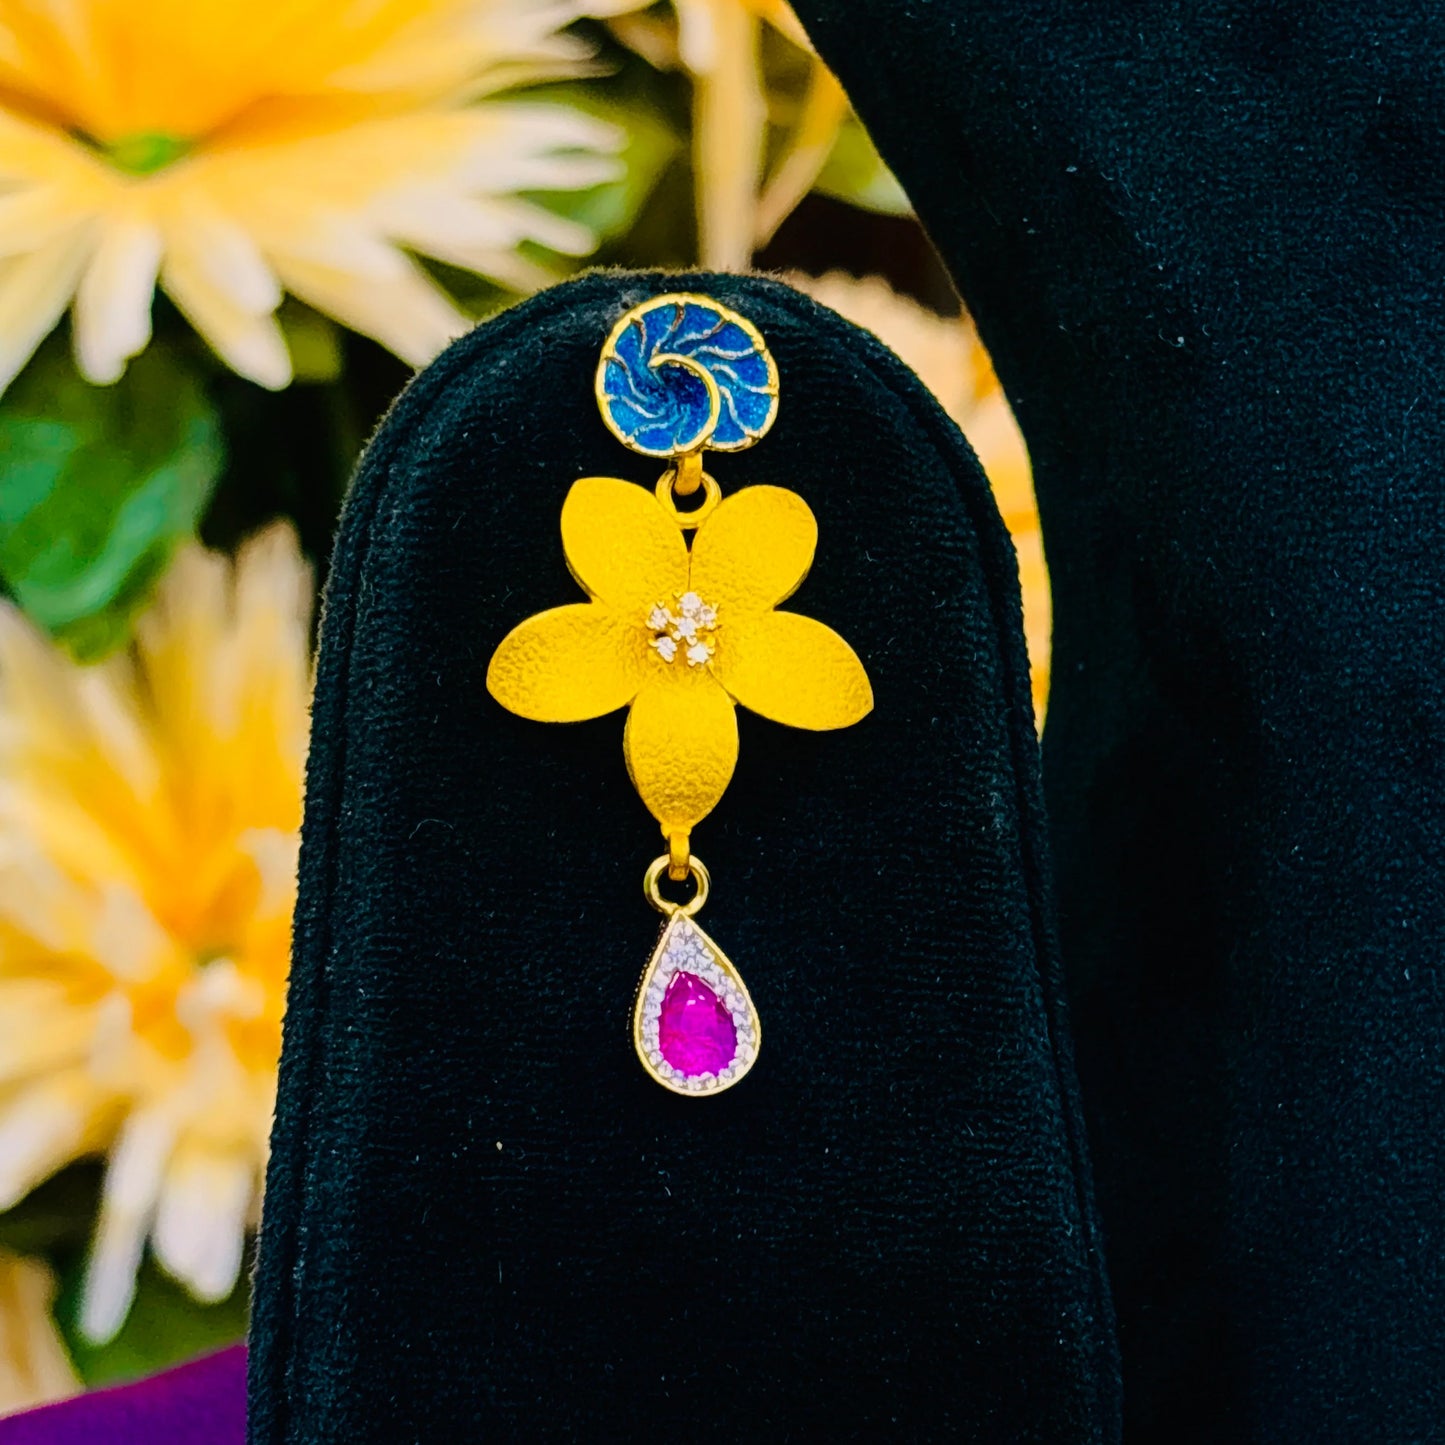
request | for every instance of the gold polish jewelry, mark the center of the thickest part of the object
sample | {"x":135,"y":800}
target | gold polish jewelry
{"x":680,"y":634}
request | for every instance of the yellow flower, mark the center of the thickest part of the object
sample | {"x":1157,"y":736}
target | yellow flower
{"x":149,"y":814}
{"x":951,"y":361}
{"x":681,"y":635}
{"x":719,"y":44}
{"x":34,"y":1368}
{"x":230,"y":149}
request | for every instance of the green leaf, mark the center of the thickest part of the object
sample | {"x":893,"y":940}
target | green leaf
{"x":651,"y":144}
{"x":313,"y":340}
{"x":165,"y":1327}
{"x":855,"y":172}
{"x":97,"y":486}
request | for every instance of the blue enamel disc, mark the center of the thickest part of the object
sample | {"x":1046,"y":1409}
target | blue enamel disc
{"x":681,"y":372}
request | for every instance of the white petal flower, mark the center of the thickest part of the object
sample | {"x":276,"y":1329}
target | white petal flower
{"x":231,"y":151}
{"x":149,"y":809}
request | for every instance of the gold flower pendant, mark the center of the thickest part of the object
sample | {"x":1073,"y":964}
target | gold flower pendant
{"x":679,"y":635}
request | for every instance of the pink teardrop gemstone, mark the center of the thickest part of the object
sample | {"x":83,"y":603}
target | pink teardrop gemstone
{"x":695,"y":1032}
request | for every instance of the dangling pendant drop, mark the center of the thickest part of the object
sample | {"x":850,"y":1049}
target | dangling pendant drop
{"x":693,"y":1022}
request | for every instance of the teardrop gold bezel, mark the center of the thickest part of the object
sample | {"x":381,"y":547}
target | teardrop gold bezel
{"x":685,"y":947}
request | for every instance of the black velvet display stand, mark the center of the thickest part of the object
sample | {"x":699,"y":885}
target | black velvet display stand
{"x":483,"y":1222}
{"x":1205,"y":244}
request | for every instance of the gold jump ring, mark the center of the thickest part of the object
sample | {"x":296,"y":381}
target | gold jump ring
{"x":711,"y":496}
{"x":653,"y":878}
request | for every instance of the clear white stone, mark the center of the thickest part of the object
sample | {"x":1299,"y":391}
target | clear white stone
{"x":666,"y":646}
{"x":697,"y":654}
{"x":690,"y":603}
{"x":659,"y":618}
{"x":685,"y":629}
{"x":707,"y":615}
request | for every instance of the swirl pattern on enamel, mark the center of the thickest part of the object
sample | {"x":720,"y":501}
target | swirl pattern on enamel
{"x":681,"y":372}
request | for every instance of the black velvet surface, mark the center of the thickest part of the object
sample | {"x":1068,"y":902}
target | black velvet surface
{"x":1204,"y":243}
{"x":482,"y":1220}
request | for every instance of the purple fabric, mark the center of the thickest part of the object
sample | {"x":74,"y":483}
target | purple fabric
{"x":203,"y":1403}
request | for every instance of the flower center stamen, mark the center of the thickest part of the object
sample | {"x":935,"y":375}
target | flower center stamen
{"x":145,"y":152}
{"x":685,"y":631}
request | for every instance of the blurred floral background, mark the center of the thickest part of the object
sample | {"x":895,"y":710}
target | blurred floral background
{"x":229,"y":231}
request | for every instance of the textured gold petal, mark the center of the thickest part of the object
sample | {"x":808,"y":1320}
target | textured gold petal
{"x":622,"y":546}
{"x":682,"y":746}
{"x":793,"y":670}
{"x":568,"y":664}
{"x":753,"y":551}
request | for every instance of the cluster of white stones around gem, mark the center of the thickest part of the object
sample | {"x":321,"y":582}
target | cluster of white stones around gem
{"x":697,"y":1028}
{"x":687,"y":632}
